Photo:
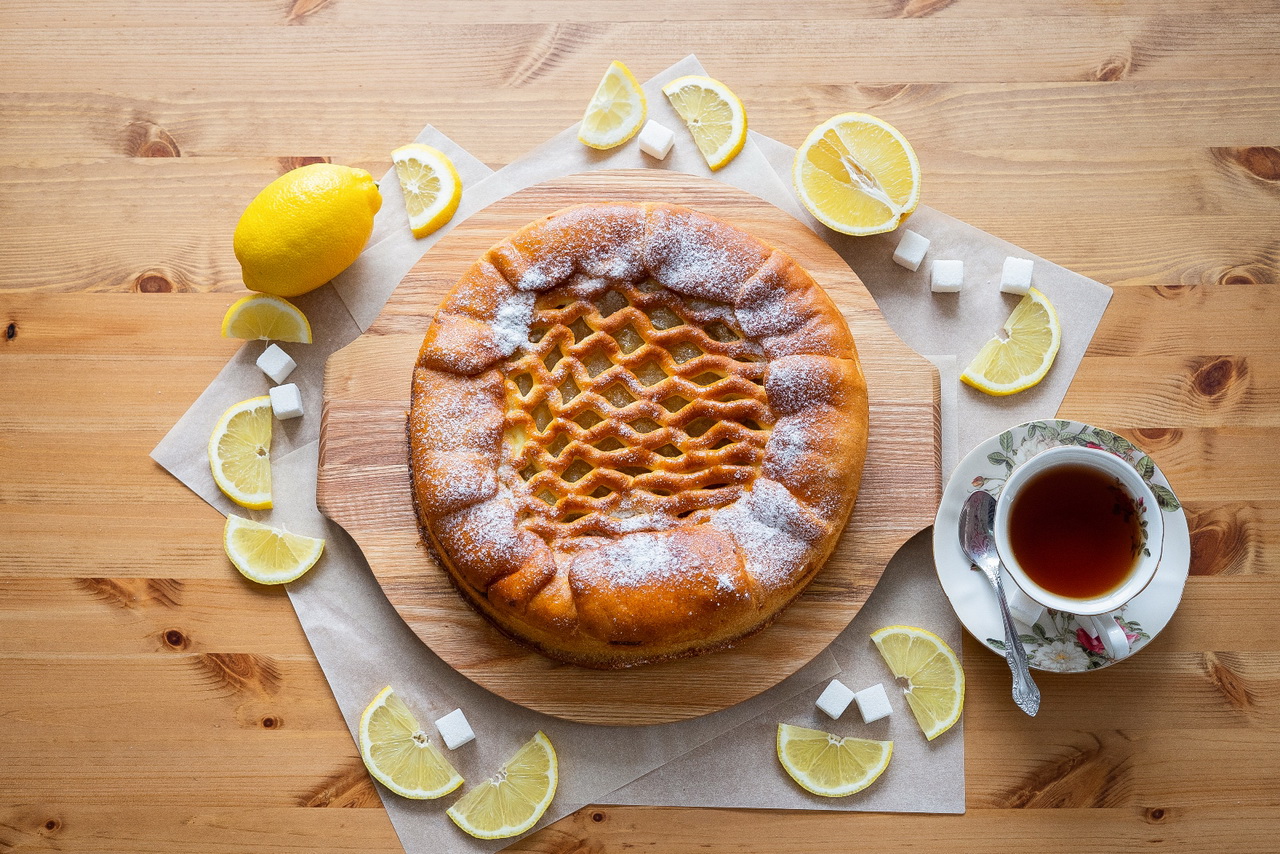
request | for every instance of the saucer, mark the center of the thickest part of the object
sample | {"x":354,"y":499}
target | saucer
{"x":1056,"y":642}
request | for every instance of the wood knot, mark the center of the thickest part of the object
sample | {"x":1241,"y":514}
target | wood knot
{"x":1155,"y":815}
{"x":11,"y":331}
{"x":241,"y":672}
{"x":1095,"y":775}
{"x":152,"y":283}
{"x":922,"y":8}
{"x":1173,"y":292}
{"x":1220,"y":542}
{"x":1155,"y":438}
{"x":1220,"y":668}
{"x":271,"y":722}
{"x":1240,"y":275}
{"x":175,"y":639}
{"x":52,"y":825}
{"x":1214,"y":376}
{"x":351,"y":787}
{"x":550,"y":49}
{"x":1113,"y":69}
{"x":597,"y":817}
{"x":134,"y":592}
{"x":1260,"y":161}
{"x":146,"y":139}
{"x":882,"y":95}
{"x":302,"y":9}
{"x":288,"y":164}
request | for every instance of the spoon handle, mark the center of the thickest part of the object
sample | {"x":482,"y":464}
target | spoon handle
{"x":1025,"y":691}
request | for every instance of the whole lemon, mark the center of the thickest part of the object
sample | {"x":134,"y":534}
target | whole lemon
{"x":305,"y":227}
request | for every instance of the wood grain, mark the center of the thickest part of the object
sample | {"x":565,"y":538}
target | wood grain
{"x":364,"y":479}
{"x":1130,"y":140}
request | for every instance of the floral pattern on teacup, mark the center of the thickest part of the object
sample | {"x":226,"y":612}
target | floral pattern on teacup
{"x":1057,"y":642}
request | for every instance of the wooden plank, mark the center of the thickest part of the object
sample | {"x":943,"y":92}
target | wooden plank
{"x":1090,"y":123}
{"x":928,"y":50}
{"x":24,"y":14}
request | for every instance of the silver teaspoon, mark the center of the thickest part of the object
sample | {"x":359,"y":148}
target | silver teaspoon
{"x":977,"y":524}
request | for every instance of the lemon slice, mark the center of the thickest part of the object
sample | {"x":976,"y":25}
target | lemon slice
{"x":269,"y":555}
{"x":432,"y":188}
{"x":714,"y":115}
{"x":857,"y":174}
{"x":934,"y":679}
{"x":240,"y":453}
{"x":616,"y":112}
{"x":399,"y":754}
{"x":514,"y":800}
{"x":266,"y":318}
{"x":829,"y":765}
{"x":1016,"y":363}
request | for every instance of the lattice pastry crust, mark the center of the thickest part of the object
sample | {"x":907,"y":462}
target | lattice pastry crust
{"x":636,"y":433}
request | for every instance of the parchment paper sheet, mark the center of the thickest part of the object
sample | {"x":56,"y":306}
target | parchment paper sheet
{"x":362,"y":645}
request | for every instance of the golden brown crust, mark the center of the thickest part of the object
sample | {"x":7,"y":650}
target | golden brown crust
{"x":636,"y":433}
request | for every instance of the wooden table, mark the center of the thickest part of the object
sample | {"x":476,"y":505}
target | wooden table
{"x":151,"y":700}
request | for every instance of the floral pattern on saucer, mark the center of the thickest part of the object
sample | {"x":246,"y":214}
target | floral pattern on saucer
{"x":1057,"y":642}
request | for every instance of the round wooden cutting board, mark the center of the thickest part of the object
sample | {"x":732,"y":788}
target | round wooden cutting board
{"x":364,"y":474}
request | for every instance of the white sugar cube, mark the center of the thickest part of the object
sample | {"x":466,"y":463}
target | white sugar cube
{"x":656,"y":140}
{"x":873,"y":703}
{"x":946,"y":277}
{"x":455,"y":730}
{"x":276,"y":363}
{"x":1022,"y":607}
{"x":1015,"y":278}
{"x":835,"y":699}
{"x":286,"y":401}
{"x":911,"y":249}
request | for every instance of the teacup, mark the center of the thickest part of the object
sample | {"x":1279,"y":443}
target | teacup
{"x":1079,"y":531}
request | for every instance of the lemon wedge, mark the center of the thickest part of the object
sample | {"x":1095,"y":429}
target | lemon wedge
{"x":829,"y":765}
{"x":1016,"y":363}
{"x":269,"y":555}
{"x":857,"y":174}
{"x":399,"y":754}
{"x":714,"y":115}
{"x":432,"y":188}
{"x":240,"y":453}
{"x":513,"y":801}
{"x":934,"y":679}
{"x":266,"y":318}
{"x":617,"y":109}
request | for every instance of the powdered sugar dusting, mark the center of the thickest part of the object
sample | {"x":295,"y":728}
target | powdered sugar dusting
{"x":789,"y":441}
{"x":489,"y":529}
{"x":694,"y":255}
{"x":640,"y":560}
{"x":797,"y":383}
{"x":511,"y":325}
{"x":772,"y":530}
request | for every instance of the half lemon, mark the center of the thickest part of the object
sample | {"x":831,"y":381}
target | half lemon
{"x":431,"y":186}
{"x":829,"y":765}
{"x":398,"y":752}
{"x":616,"y":111}
{"x":714,"y":115}
{"x":513,"y":801}
{"x":934,"y":680}
{"x":857,"y":174}
{"x":240,"y":453}
{"x":269,"y":555}
{"x":1016,"y":363}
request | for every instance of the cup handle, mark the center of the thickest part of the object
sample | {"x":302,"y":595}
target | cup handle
{"x":1114,"y":639}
